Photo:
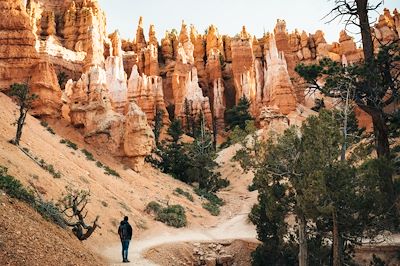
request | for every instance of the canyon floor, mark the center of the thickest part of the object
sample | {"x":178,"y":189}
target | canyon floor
{"x":113,"y":197}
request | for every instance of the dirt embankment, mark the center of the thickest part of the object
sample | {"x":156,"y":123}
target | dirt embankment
{"x":27,"y":239}
{"x":234,"y":252}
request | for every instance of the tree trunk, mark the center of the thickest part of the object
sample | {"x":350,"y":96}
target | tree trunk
{"x":381,"y":134}
{"x":215,"y":132}
{"x":303,"y":256}
{"x":20,"y":125}
{"x":378,"y":116}
{"x":383,"y":151}
{"x":368,"y":46}
{"x":383,"y":148}
{"x":337,"y":254}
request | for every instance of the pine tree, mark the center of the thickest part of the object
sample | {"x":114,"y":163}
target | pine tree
{"x":174,"y":157}
{"x":239,"y":114}
{"x":202,"y":167}
{"x":301,"y":175}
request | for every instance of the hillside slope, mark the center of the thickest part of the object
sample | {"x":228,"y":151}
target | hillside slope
{"x":111,"y":197}
{"x":27,"y":239}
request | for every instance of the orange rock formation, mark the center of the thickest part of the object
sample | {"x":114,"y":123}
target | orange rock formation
{"x":185,"y":71}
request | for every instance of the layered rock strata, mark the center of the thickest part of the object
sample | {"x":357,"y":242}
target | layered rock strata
{"x":20,"y":61}
{"x":125,"y":134}
{"x":188,"y":73}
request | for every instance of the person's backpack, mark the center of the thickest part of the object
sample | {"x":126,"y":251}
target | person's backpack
{"x":124,"y":231}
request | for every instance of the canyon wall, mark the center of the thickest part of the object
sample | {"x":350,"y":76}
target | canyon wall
{"x":115,"y":87}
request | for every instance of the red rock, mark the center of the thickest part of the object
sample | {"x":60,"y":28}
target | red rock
{"x":44,"y":83}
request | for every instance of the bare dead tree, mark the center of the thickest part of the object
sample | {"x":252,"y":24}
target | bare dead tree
{"x":73,"y":207}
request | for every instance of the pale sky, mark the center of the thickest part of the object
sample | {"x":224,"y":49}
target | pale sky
{"x":227,"y":15}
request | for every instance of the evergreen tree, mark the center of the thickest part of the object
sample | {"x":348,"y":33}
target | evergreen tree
{"x":202,"y":167}
{"x":301,"y":175}
{"x":175,"y":130}
{"x":190,"y":163}
{"x":373,"y":84}
{"x":174,"y":157}
{"x":239,"y":114}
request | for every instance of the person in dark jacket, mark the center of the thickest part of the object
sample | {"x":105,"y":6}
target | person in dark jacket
{"x":125,"y":234}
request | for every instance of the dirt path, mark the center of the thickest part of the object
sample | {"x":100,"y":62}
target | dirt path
{"x":235,"y":228}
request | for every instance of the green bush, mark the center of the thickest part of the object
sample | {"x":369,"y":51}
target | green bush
{"x":50,"y":168}
{"x":184,"y":193}
{"x":252,"y":187}
{"x":13,"y":188}
{"x":212,"y":208}
{"x":99,"y":164}
{"x":51,"y":131}
{"x":69,"y":144}
{"x":173,"y":215}
{"x":88,"y":155}
{"x":109,"y":171}
{"x":211,"y":197}
{"x":50,"y":212}
{"x":153,"y":207}
{"x":44,"y":124}
{"x":214,"y":202}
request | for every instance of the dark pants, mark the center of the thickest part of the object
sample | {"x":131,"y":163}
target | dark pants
{"x":125,"y":246}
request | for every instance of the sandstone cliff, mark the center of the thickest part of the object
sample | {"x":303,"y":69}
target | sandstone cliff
{"x":117,"y":85}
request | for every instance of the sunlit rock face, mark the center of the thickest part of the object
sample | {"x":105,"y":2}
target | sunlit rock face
{"x":243,"y":61}
{"x":147,"y":92}
{"x":278,"y":89}
{"x":125,"y":133}
{"x":85,"y":30}
{"x":116,"y":76}
{"x":117,"y":84}
{"x":183,"y":81}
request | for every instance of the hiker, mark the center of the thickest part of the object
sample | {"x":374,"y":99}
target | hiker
{"x":125,"y":234}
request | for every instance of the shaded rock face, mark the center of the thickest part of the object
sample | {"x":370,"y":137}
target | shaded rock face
{"x":45,"y":85}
